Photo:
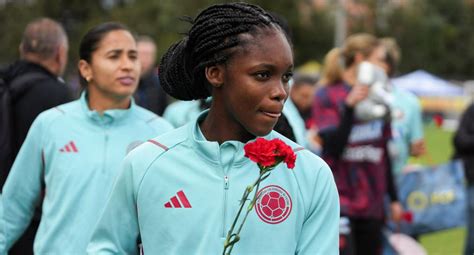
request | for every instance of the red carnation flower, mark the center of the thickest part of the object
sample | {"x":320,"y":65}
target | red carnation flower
{"x":269,"y":153}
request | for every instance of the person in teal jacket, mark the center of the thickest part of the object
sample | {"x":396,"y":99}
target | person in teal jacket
{"x":179,"y":192}
{"x":407,"y":121}
{"x":179,"y":112}
{"x":72,"y":153}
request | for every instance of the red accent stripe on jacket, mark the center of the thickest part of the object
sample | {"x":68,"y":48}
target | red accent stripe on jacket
{"x":158,"y":144}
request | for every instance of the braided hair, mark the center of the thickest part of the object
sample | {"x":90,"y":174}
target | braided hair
{"x":213,"y":35}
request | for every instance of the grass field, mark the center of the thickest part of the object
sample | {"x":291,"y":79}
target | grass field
{"x":439,"y":145}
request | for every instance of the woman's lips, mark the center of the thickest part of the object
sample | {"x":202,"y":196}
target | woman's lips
{"x":126,"y":80}
{"x":272,"y":114}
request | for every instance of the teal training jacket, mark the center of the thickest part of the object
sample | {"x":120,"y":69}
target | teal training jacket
{"x":178,"y":194}
{"x":70,"y":157}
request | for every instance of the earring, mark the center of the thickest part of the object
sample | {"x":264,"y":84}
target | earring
{"x":88,"y":79}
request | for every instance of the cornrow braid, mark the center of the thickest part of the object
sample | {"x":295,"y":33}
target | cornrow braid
{"x":214,"y":32}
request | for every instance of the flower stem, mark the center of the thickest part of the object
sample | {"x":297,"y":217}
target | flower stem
{"x":264,"y":173}
{"x":228,"y":241}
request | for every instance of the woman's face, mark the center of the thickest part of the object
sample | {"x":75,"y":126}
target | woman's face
{"x":114,"y":68}
{"x":255,"y":84}
{"x":302,"y":95}
{"x":378,"y":58}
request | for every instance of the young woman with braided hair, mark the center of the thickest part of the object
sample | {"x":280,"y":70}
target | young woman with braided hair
{"x":178,"y":193}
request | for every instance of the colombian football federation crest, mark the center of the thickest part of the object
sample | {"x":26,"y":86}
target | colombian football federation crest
{"x":273,"y":205}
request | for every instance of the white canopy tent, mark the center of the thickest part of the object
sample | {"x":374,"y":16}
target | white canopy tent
{"x":424,"y":84}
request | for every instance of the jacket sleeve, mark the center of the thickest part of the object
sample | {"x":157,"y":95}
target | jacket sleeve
{"x":117,"y":231}
{"x":336,"y":138}
{"x":320,"y":233}
{"x":464,"y":137}
{"x":22,"y":189}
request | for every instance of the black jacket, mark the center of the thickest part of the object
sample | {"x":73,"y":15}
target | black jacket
{"x":150,"y":94}
{"x":42,"y":94}
{"x":464,"y":143}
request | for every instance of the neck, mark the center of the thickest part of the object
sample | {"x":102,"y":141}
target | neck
{"x":101,"y":103}
{"x":216,"y":127}
{"x":48,"y":64}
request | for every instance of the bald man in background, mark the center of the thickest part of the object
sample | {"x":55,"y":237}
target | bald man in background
{"x":43,"y":58}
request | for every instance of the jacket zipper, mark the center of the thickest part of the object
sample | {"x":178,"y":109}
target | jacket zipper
{"x":226,"y":188}
{"x":104,"y":157}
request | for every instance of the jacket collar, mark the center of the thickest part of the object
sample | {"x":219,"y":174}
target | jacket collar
{"x":109,"y":116}
{"x":226,"y":154}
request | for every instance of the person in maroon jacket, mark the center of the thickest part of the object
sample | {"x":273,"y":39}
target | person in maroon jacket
{"x":355,"y":150}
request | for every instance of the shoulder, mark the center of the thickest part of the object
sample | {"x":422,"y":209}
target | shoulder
{"x":58,"y":114}
{"x":145,"y":154}
{"x":141,"y":159}
{"x":322,"y":91}
{"x":180,"y":112}
{"x":334,"y":91}
{"x":151,"y":119}
{"x":60,"y":111}
{"x":46,"y":92}
{"x":181,"y":106}
{"x":302,"y":155}
{"x":50,"y":85}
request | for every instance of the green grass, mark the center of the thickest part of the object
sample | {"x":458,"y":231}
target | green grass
{"x":448,"y":242}
{"x":439,"y":146}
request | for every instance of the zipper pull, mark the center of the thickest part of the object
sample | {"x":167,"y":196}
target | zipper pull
{"x":226,"y":182}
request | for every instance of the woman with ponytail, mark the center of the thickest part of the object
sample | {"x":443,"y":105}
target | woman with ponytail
{"x":355,"y":149}
{"x":179,"y":193}
{"x":72,"y":153}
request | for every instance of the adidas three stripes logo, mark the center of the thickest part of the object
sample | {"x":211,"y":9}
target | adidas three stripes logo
{"x":70,"y":147}
{"x":178,"y":201}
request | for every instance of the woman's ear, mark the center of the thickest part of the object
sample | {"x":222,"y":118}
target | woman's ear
{"x":215,"y":75}
{"x":85,"y":70}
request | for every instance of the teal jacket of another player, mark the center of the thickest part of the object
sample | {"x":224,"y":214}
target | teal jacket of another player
{"x":69,"y":161}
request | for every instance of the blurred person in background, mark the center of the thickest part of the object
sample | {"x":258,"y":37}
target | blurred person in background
{"x":302,"y":94}
{"x":464,"y":149}
{"x":407,"y":123}
{"x":149,"y":93}
{"x":72,"y":152}
{"x":355,"y":150}
{"x":297,"y":110}
{"x":43,"y":58}
{"x":181,"y":112}
{"x":290,"y":124}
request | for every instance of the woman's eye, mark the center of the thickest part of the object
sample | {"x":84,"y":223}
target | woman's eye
{"x":287,"y":77}
{"x":262,"y":75}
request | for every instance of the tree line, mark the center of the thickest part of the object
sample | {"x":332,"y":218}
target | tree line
{"x":435,"y":35}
